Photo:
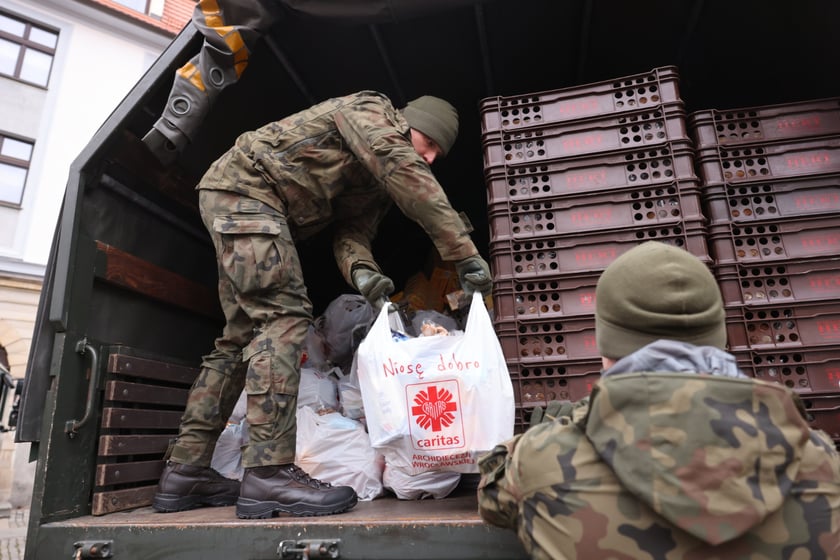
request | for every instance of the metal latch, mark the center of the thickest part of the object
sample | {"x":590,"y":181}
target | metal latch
{"x":311,"y":548}
{"x":93,"y":549}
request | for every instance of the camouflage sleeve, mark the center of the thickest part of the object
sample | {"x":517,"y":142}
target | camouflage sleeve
{"x":353,"y":238}
{"x":501,"y":489}
{"x":376,"y":133}
{"x":498,"y":494}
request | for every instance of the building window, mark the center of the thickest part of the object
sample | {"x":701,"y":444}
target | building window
{"x":152,"y":8}
{"x":15,"y":155}
{"x":26,"y":49}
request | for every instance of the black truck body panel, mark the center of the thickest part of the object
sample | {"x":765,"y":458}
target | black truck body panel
{"x":123,"y":212}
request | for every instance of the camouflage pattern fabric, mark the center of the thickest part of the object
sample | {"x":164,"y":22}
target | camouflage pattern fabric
{"x":267,"y":310}
{"x":670,"y":466}
{"x":342,"y":162}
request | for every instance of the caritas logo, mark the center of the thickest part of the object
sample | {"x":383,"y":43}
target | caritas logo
{"x":435,"y":413}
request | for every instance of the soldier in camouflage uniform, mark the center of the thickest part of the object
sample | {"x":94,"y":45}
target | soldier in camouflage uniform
{"x":676,"y":454}
{"x":341,"y":163}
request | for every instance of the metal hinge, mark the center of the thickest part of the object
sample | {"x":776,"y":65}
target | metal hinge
{"x":93,"y":549}
{"x":307,"y":549}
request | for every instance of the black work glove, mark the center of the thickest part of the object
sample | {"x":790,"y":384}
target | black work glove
{"x":474,"y":274}
{"x":375,"y":286}
{"x":553,"y":410}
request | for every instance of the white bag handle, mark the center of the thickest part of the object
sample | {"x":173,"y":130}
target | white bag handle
{"x":381,"y":328}
{"x":478,"y":318}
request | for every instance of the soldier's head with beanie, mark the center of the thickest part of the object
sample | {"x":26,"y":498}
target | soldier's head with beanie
{"x":435,"y":118}
{"x":657,"y":291}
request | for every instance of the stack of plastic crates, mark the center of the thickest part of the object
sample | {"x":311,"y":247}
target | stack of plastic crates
{"x":575,"y":178}
{"x":771,"y":190}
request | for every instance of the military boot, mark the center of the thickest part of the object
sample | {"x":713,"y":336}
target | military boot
{"x":183,"y":487}
{"x":266,"y":491}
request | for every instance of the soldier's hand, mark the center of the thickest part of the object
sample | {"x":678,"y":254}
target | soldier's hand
{"x":474,"y":275}
{"x":375,"y":286}
{"x":553,"y":410}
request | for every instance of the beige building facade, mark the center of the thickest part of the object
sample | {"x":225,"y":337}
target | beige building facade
{"x":18,"y":309}
{"x":53,"y":52}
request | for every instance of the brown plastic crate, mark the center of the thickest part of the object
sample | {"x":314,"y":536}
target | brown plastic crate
{"x":822,"y":410}
{"x":783,"y":326}
{"x":587,"y":253}
{"x":569,"y":338}
{"x":828,"y":421}
{"x":805,"y":370}
{"x":760,"y":162}
{"x":570,"y":380}
{"x":597,"y":211}
{"x":823,"y":413}
{"x":789,"y":281}
{"x":629,"y":168}
{"x":521,"y":419}
{"x":547,"y":298}
{"x":768,"y":200}
{"x":563,"y":380}
{"x":557,"y":141}
{"x":817,"y":237}
{"x":629,"y":93}
{"x":522,"y":414}
{"x":767,"y":123}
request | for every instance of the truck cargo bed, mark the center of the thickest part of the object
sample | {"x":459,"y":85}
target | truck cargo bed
{"x":129,"y":302}
{"x":446,"y":528}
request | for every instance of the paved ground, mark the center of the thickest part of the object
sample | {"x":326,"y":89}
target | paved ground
{"x":13,"y":534}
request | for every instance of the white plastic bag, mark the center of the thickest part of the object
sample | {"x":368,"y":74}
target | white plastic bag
{"x":227,"y":456}
{"x":350,"y":395}
{"x":337,"y":450}
{"x":430,"y":484}
{"x":436,"y":403}
{"x":319,"y":389}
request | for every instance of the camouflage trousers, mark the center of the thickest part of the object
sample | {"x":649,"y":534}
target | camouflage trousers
{"x":267,"y":314}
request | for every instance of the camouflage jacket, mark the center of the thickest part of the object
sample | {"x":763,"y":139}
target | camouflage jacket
{"x":342,"y":162}
{"x":670,"y":466}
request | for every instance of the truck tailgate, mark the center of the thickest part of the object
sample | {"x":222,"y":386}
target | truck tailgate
{"x":383,"y":528}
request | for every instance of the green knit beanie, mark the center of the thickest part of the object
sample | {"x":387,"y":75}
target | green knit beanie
{"x":657,"y":291}
{"x":435,"y":118}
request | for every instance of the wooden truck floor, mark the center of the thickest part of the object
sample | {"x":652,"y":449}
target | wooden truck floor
{"x":382,"y":528}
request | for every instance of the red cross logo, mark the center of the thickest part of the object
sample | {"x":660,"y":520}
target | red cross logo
{"x":433,"y":407}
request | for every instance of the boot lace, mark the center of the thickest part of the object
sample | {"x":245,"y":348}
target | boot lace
{"x":303,"y":477}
